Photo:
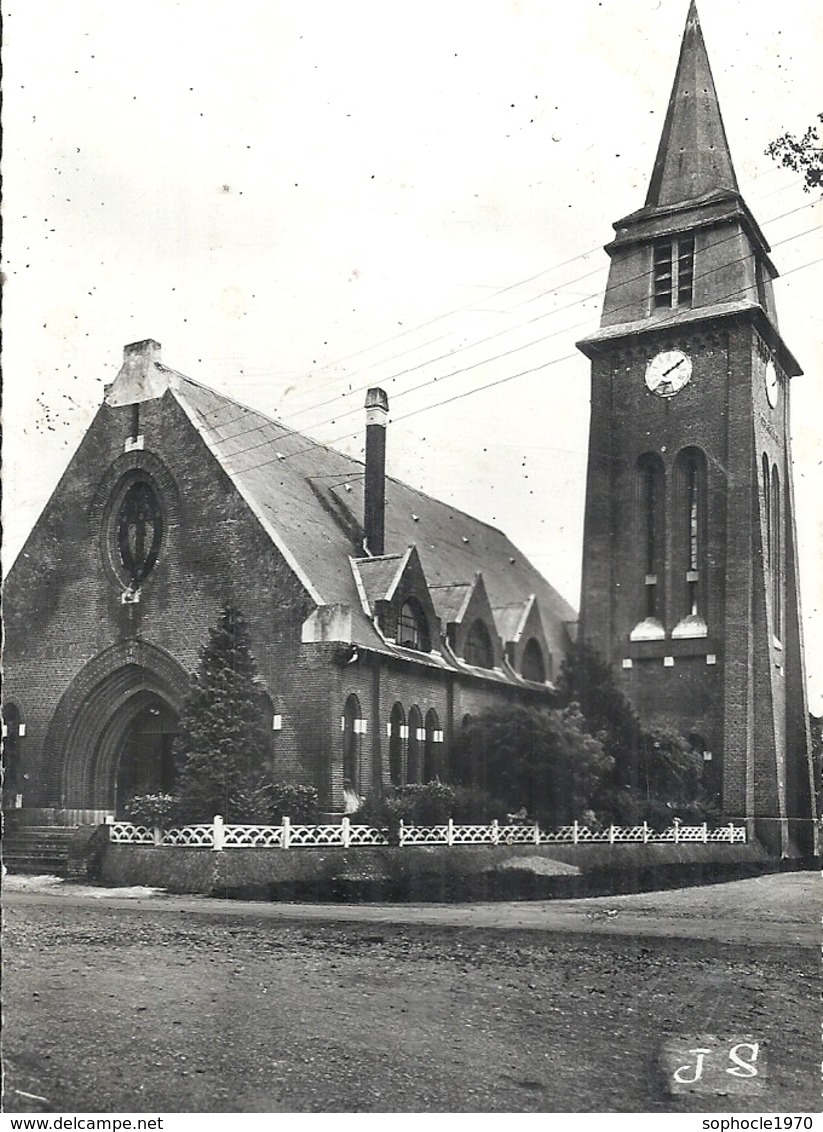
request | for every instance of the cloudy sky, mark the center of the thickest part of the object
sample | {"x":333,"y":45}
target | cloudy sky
{"x":301,"y":199}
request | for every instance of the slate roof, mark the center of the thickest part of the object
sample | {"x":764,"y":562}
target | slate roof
{"x":378,"y":574}
{"x":509,"y":619}
{"x":449,"y":600}
{"x":309,"y":498}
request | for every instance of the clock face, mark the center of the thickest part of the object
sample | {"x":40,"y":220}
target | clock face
{"x":668,"y":372}
{"x":772,"y":384}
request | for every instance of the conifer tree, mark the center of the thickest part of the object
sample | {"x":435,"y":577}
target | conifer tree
{"x":222,"y":747}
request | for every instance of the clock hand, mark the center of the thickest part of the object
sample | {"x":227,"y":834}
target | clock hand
{"x":676,"y":364}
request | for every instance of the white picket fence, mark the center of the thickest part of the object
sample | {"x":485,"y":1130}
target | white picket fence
{"x":218,"y":835}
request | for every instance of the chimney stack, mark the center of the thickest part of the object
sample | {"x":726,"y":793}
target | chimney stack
{"x":374,"y":496}
{"x":139,"y":378}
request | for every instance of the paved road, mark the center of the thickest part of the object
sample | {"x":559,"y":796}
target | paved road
{"x":777,"y":909}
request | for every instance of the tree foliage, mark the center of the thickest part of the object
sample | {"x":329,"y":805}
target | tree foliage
{"x":222,"y":747}
{"x":539,"y":760}
{"x":655,"y":774}
{"x":587,"y":680}
{"x":802,"y":154}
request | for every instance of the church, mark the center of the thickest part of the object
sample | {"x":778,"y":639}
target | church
{"x":381,"y":618}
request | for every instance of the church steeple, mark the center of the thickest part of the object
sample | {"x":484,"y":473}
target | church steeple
{"x":690,"y":586}
{"x":693,"y":157}
{"x":694,"y":250}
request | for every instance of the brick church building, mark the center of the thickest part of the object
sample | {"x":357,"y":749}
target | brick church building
{"x":381,"y":617}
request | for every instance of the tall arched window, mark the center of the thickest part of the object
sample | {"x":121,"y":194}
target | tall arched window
{"x":650,"y":500}
{"x":690,"y":542}
{"x":432,"y":748}
{"x":767,"y":506}
{"x":478,"y":648}
{"x":776,"y":555}
{"x":652,"y":487}
{"x":351,"y":745}
{"x":416,"y":737}
{"x":397,"y":727}
{"x":532,"y":665}
{"x":412,"y":626}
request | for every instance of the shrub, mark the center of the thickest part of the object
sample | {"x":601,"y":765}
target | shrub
{"x":153,"y":810}
{"x":473,"y":805}
{"x":299,"y":803}
{"x":432,"y":803}
{"x":428,"y":804}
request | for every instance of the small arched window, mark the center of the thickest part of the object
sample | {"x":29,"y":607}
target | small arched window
{"x":478,"y":649}
{"x":691,"y":534}
{"x":413,"y":627}
{"x":397,"y":727}
{"x":11,"y":755}
{"x":416,"y":735}
{"x":652,"y":491}
{"x":432,"y":748}
{"x":532,"y":665}
{"x":767,"y":505}
{"x":351,"y":746}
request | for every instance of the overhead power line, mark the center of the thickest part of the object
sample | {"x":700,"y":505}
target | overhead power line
{"x":507,"y":353}
{"x":468,"y":393}
{"x":493,"y":337}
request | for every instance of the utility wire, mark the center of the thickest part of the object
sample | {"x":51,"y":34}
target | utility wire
{"x":508,"y":353}
{"x":555,"y":361}
{"x":489,"y":385}
{"x":511,"y":286}
{"x":498,"y":334}
{"x":488,"y":298}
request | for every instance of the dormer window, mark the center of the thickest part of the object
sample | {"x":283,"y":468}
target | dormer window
{"x":478,"y":649}
{"x":673,"y":272}
{"x":412,"y":627}
{"x":532,"y":665}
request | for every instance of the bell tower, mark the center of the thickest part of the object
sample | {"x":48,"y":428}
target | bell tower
{"x":690,"y":582}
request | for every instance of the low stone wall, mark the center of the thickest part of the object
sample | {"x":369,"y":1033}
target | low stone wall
{"x":438,"y":873}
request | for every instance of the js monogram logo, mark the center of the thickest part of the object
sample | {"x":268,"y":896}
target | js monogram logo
{"x":712,"y":1065}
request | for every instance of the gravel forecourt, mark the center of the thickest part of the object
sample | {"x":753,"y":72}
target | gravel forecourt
{"x":174,"y":1004}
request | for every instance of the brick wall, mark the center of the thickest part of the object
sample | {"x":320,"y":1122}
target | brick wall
{"x":63,"y":595}
{"x":738,"y":703}
{"x":74,"y":650}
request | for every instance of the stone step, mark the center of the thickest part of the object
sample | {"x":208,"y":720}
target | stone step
{"x":51,"y":834}
{"x":34,"y":849}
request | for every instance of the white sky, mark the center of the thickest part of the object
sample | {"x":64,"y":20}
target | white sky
{"x":268,"y":187}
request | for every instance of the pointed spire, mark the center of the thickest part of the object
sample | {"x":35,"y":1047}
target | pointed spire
{"x":693,"y":158}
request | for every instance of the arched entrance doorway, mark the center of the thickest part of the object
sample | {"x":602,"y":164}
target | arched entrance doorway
{"x":114,"y":729}
{"x":145,"y":764}
{"x":121,"y":744}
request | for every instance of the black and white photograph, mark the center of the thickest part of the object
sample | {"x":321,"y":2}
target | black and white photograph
{"x":412,"y":560}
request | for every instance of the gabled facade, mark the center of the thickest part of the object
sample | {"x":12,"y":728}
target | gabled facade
{"x":690,"y":583}
{"x":179,"y":501}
